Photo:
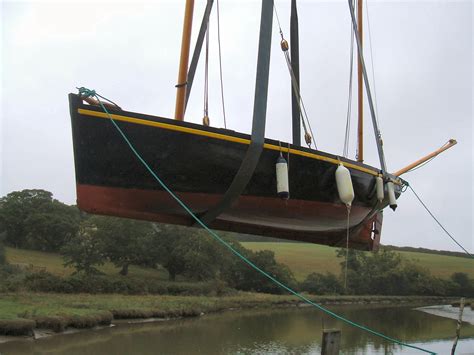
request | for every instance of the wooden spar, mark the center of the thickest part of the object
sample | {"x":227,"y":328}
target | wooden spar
{"x":183,"y":63}
{"x":95,"y":102}
{"x":295,"y":65}
{"x":451,"y":143}
{"x":360,"y":127}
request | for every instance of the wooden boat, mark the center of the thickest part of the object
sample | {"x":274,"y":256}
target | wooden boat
{"x":199,"y":164}
{"x":227,"y":178}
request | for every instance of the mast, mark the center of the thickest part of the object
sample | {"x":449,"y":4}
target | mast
{"x":360,"y":126}
{"x":295,"y":65}
{"x":183,"y":63}
{"x":378,"y":136}
{"x":197,"y":49}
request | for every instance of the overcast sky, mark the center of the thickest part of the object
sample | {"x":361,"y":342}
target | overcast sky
{"x":129,"y":52}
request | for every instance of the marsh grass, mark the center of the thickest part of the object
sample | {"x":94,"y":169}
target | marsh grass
{"x":20,"y":313}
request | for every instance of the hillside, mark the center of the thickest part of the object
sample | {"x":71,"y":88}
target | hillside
{"x":304,"y":259}
{"x":53,"y":263}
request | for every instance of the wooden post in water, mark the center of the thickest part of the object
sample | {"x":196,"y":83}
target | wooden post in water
{"x":458,"y":328}
{"x":331,"y":342}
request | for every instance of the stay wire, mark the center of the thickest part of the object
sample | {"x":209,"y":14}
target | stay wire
{"x":345,"y":152}
{"x":438,"y":222}
{"x":302,"y":108}
{"x":206,"y":75}
{"x":296,"y":88}
{"x":372,"y":63}
{"x":220,"y":62}
{"x":88,"y":92}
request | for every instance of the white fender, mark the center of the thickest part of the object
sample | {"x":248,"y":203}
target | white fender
{"x":283,"y":189}
{"x":391,"y":195}
{"x":379,"y":188}
{"x":344,"y":185}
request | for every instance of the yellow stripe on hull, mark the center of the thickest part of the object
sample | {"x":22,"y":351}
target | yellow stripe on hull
{"x":223,"y":137}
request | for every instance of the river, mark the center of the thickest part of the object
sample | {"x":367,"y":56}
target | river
{"x":263,"y":331}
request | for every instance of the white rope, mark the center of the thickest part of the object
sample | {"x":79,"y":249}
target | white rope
{"x":347,"y":246}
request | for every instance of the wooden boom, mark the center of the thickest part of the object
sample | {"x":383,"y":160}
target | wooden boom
{"x":451,"y":143}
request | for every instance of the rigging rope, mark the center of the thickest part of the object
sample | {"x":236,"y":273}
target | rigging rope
{"x":347,"y":246}
{"x":205,"y":119}
{"x":438,"y":222}
{"x":309,"y":135}
{"x":345,"y":152}
{"x":220,"y":62}
{"x":372,"y":63}
{"x":87,"y":92}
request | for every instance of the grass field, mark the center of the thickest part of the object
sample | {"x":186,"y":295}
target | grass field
{"x":304,"y":259}
{"x":53,"y":263}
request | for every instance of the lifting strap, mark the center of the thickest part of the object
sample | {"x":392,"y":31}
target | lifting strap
{"x":248,"y":165}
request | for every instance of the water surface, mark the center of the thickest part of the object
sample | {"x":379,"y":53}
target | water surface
{"x":277,"y":331}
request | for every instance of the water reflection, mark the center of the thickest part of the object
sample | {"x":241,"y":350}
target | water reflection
{"x":281,"y":331}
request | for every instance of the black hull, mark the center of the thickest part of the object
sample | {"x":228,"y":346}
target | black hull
{"x":199,"y":163}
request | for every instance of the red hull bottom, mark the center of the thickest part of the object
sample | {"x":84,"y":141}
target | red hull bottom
{"x":299,"y":220}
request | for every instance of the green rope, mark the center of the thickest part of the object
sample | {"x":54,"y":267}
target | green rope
{"x":85,"y":91}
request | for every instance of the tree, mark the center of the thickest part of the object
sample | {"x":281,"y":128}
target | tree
{"x":203,"y":258}
{"x":386,"y":273}
{"x":463,"y":285}
{"x":51,"y":226}
{"x":83,"y":251}
{"x":354,"y":258}
{"x":124,"y":241}
{"x":15,"y":208}
{"x":372,"y":273}
{"x":322,"y":284}
{"x":33,"y":219}
{"x":3,"y":259}
{"x":242,"y":276}
{"x":188,"y":251}
{"x":166,"y":253}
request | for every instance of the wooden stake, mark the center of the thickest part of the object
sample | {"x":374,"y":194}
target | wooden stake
{"x":458,"y":328}
{"x":331,"y":342}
